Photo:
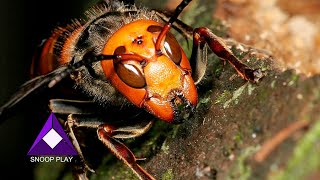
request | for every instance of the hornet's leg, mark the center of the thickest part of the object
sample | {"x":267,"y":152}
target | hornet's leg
{"x":80,"y":169}
{"x":203,"y":36}
{"x":198,"y":60}
{"x":107,"y":133}
{"x":69,"y":107}
{"x":181,"y":27}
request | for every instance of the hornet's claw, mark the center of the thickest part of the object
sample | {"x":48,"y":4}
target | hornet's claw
{"x":253,"y":75}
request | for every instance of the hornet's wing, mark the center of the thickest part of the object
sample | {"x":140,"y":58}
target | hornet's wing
{"x":29,"y":89}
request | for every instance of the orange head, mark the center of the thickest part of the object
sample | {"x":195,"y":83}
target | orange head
{"x":158,"y":81}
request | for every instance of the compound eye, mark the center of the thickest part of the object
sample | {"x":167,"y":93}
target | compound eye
{"x":130,"y":74}
{"x":129,"y":71}
{"x":172,"y":48}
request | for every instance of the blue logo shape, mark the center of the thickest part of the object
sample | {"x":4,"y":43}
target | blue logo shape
{"x":52,"y":140}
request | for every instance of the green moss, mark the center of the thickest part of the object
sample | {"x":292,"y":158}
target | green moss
{"x":117,"y":171}
{"x":305,"y":158}
{"x":294,"y":79}
{"x":238,"y":138}
{"x":168,"y":175}
{"x":223,"y":97}
{"x":251,"y":88}
{"x":273,"y":84}
{"x":241,"y":170}
{"x":265,"y":65}
{"x":238,"y":52}
{"x":44,"y":170}
{"x":263,"y":94}
{"x":175,"y":131}
{"x":228,"y":98}
{"x":204,"y":99}
{"x":235,"y":96}
{"x":165,"y":147}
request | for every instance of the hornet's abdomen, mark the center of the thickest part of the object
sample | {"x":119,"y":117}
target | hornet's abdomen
{"x":56,"y":50}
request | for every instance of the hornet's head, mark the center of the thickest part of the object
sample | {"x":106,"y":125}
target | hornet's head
{"x":157,"y":80}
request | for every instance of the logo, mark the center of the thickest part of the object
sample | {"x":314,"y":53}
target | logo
{"x":52,"y":141}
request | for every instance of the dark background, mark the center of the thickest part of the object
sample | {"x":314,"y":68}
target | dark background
{"x":23,"y":25}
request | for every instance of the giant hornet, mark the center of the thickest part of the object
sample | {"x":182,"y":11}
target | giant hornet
{"x":122,"y":55}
